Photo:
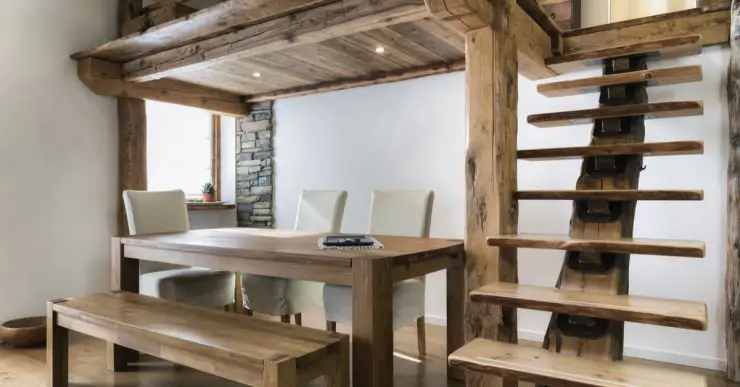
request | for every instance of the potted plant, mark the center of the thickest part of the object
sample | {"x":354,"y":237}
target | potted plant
{"x":209,"y":193}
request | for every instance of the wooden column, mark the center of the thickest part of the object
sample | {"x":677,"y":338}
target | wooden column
{"x":732,"y":280}
{"x":492,"y":71}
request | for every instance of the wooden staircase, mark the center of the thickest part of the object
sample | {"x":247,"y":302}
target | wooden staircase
{"x":590,"y":302}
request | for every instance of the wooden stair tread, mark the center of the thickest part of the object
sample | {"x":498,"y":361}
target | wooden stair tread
{"x":536,"y":365}
{"x":647,"y":310}
{"x":651,"y":77}
{"x":613,"y":195}
{"x":675,"y":148}
{"x":694,"y":249}
{"x":664,"y":48}
{"x":647,"y":110}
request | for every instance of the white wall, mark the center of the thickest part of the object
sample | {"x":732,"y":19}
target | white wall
{"x":411,"y":135}
{"x":201,"y":219}
{"x":58,"y":155}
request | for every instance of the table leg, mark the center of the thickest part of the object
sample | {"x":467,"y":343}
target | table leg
{"x":456,"y":293}
{"x":372,"y":322}
{"x":124,"y":277}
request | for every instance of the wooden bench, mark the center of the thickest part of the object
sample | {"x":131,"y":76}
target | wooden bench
{"x":239,"y":348}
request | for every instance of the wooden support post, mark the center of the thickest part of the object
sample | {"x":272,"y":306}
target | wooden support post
{"x":131,"y":151}
{"x":491,"y":180}
{"x":732,"y":279}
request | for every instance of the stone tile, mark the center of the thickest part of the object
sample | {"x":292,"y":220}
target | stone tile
{"x":262,"y":211}
{"x":263,"y":181}
{"x":264,"y":143}
{"x":249,"y":144}
{"x":248,"y":163}
{"x":263,"y":155}
{"x":263,"y":205}
{"x":249,"y":136}
{"x":248,"y":199}
{"x":244,"y":156}
{"x":264,"y":105}
{"x":266,"y":198}
{"x":266,"y":172}
{"x":261,"y":190}
{"x":266,"y":162}
{"x":248,"y":169}
{"x":255,"y":126}
{"x":261,"y":218}
{"x":242,"y":208}
{"x":264,"y":134}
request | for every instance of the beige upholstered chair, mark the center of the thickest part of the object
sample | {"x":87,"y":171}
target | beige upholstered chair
{"x":400,"y":213}
{"x":320,"y":211}
{"x":154,"y":212}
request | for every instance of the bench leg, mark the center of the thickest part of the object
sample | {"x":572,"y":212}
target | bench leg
{"x":339,"y":375}
{"x":57,"y":351}
{"x":280,"y":372}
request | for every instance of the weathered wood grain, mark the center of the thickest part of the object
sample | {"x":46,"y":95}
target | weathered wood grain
{"x":166,"y":12}
{"x":732,"y":264}
{"x":538,"y":366}
{"x":674,"y":148}
{"x":645,"y":310}
{"x":239,"y":348}
{"x":713,"y":5}
{"x":104,"y":78}
{"x":677,"y":248}
{"x":490,"y":172}
{"x":544,"y":21}
{"x":646,"y":110}
{"x":611,"y":194}
{"x":663,"y":48}
{"x":57,"y":349}
{"x":654,"y":77}
{"x":299,"y":28}
{"x":712,"y":26}
{"x":365,"y":80}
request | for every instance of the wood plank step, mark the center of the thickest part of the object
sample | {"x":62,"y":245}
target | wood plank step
{"x":536,"y":365}
{"x":693,"y":249}
{"x":646,"y":310}
{"x":647,"y":110}
{"x":675,"y":148}
{"x":651,"y":77}
{"x":613,"y":195}
{"x":664,"y":48}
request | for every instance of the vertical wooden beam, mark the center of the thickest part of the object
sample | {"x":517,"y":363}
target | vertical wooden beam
{"x":492,"y":93}
{"x":732,"y":279}
{"x":216,"y":154}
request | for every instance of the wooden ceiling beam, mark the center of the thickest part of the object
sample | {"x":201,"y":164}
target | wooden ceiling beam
{"x":309,"y":26}
{"x":218,"y":19}
{"x":104,"y":78}
{"x":713,"y":26}
{"x":365,"y":80}
{"x":533,"y":43}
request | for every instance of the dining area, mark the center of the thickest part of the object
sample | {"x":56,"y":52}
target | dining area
{"x":376,"y":288}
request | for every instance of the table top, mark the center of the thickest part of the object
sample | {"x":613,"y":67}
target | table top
{"x":293,"y":246}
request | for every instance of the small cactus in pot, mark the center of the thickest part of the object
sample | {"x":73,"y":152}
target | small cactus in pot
{"x":209,"y":192}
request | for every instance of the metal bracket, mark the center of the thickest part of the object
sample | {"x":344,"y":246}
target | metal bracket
{"x":614,"y":127}
{"x":582,"y":327}
{"x":624,"y":64}
{"x":606,"y":166}
{"x":598,"y":211}
{"x":592,"y":263}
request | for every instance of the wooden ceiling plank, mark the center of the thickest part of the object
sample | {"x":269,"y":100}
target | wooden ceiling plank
{"x":103,"y":78}
{"x":328,"y":58}
{"x":292,"y":62}
{"x":220,"y":18}
{"x":363,"y":52}
{"x":443,"y":32}
{"x":308,"y":75}
{"x":305,"y":27}
{"x":366,"y":42}
{"x":427,"y":41}
{"x":365,"y":80}
{"x":411,"y":56}
{"x":221,"y":81}
{"x":268,"y":76}
{"x":533,"y":43}
{"x":713,"y":27}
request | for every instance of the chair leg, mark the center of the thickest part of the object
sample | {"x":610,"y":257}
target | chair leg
{"x":338,"y":375}
{"x":298,"y":319}
{"x":331,"y":326}
{"x":285,"y":318}
{"x":227,"y":308}
{"x":421,"y":335}
{"x":248,"y":312}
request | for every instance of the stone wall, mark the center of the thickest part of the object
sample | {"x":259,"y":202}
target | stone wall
{"x":254,"y":167}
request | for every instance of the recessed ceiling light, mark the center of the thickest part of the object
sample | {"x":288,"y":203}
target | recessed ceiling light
{"x":380,"y":49}
{"x":257,"y":74}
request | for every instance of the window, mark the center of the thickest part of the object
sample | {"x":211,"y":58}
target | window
{"x":180,"y":150}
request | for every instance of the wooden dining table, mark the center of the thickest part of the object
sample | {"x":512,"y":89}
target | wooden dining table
{"x":295,"y":254}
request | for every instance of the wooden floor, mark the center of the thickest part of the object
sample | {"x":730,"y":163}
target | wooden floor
{"x":26,"y":368}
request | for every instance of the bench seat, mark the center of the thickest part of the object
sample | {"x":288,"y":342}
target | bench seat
{"x":239,"y":348}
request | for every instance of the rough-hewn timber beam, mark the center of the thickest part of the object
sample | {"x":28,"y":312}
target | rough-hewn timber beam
{"x":215,"y":20}
{"x":365,"y":80}
{"x":104,"y":78}
{"x":732,"y":272}
{"x":714,"y":28}
{"x":713,"y":5}
{"x":309,"y":26}
{"x":534,"y":45}
{"x":490,"y":172}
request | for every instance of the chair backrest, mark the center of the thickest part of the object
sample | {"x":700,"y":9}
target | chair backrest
{"x":320,"y":210}
{"x":155,"y":212}
{"x":401,"y":213}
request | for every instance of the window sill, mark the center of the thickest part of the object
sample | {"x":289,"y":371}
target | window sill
{"x":210,"y":206}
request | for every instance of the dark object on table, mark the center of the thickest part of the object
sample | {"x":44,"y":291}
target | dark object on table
{"x":348,"y":240}
{"x":24,"y":332}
